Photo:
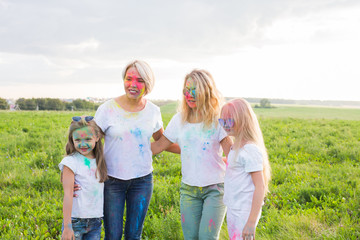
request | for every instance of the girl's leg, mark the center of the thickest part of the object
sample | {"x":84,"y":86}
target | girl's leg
{"x":93,"y":229}
{"x":114,"y":201}
{"x":213,"y":212}
{"x":191,"y":207}
{"x":137,"y":203}
{"x":236,"y":220}
{"x":78,"y":227}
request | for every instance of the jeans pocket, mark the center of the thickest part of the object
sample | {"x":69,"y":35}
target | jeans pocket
{"x":75,"y":221}
{"x":146,"y":179}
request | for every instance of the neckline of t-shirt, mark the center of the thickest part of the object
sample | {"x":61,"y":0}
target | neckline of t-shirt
{"x":243,"y":147}
{"x":122,"y":109}
{"x":84,"y":156}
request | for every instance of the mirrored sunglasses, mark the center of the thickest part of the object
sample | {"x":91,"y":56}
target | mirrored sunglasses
{"x":86,"y":118}
{"x":226,"y":123}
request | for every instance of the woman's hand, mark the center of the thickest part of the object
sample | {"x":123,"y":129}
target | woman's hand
{"x":248,"y":233}
{"x":68,"y":234}
{"x":77,"y":187}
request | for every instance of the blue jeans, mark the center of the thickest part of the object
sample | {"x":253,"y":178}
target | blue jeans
{"x":136,"y":193}
{"x":86,"y":228}
{"x":202,"y":211}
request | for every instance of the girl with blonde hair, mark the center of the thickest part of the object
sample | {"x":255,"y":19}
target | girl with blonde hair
{"x":200,"y":138}
{"x":248,"y":171}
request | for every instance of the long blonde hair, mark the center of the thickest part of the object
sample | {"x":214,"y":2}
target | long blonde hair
{"x":98,"y":150}
{"x":247,"y":130}
{"x":208,"y":99}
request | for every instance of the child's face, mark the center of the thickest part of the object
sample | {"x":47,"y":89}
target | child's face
{"x":190,"y":93}
{"x":134,"y":84}
{"x":228,"y":124}
{"x":84,"y":141}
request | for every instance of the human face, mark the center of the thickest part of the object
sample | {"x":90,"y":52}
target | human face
{"x":190,"y":93}
{"x":84,"y":141}
{"x":134,"y":84}
{"x":228,"y":125}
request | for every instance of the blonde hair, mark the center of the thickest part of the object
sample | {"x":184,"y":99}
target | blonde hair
{"x":247,"y":130}
{"x":208,"y":99}
{"x":145,"y":72}
{"x":98,"y":150}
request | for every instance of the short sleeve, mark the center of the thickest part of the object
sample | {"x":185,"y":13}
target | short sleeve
{"x":101,"y":117}
{"x":222,"y":133}
{"x":172,"y":129}
{"x":159,"y":122}
{"x":70,"y":162}
{"x":253,"y":158}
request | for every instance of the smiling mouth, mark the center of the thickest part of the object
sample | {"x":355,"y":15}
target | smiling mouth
{"x":132,"y":91}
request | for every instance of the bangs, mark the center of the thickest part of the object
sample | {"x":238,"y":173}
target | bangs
{"x":228,"y":111}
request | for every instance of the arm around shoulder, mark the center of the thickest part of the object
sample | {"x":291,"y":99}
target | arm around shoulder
{"x":226,"y":144}
{"x":165,"y":144}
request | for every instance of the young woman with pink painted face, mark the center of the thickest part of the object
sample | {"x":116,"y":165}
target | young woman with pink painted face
{"x":195,"y":128}
{"x":128,"y":122}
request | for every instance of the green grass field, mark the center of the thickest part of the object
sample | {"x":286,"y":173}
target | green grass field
{"x":314,"y":155}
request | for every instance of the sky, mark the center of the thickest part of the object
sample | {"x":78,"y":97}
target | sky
{"x":289,"y":49}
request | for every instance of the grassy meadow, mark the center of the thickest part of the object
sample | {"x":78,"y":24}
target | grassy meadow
{"x":314,"y":192}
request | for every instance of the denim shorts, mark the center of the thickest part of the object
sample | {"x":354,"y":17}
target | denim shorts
{"x":86,"y":228}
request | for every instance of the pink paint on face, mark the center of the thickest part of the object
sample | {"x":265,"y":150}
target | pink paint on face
{"x":134,"y":84}
{"x":189,"y":93}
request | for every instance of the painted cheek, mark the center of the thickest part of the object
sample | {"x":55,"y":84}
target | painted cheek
{"x":141,"y":87}
{"x":128,"y":84}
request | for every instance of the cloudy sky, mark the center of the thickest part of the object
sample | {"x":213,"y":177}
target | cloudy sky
{"x":292,"y":49}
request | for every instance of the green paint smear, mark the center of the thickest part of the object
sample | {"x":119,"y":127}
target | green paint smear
{"x":87,"y":162}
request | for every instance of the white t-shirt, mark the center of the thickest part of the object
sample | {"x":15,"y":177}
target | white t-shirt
{"x":127,"y":138}
{"x":89,"y":203}
{"x":239,"y":187}
{"x":201,"y":153}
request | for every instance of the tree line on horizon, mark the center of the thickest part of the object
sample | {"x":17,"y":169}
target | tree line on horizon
{"x":50,"y":104}
{"x":55,"y":104}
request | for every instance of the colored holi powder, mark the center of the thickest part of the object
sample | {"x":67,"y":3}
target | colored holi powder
{"x":204,"y":145}
{"x":136,"y":132}
{"x":87,"y":162}
{"x":211,"y":224}
{"x":133,"y":80}
{"x":142,"y":205}
{"x":82,"y":144}
{"x":235,"y":236}
{"x":141,"y":146}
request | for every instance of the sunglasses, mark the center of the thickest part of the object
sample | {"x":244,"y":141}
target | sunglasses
{"x":190,"y":92}
{"x":226,"y":123}
{"x":87,"y":118}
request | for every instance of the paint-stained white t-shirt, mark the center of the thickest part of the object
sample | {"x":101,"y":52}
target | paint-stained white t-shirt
{"x":239,"y":187}
{"x":89,"y":203}
{"x":127,"y":138}
{"x":201,"y":152}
